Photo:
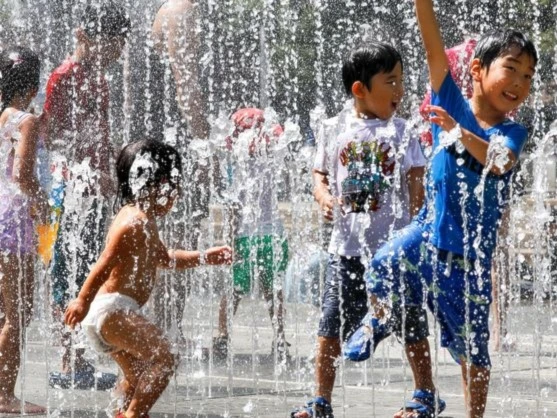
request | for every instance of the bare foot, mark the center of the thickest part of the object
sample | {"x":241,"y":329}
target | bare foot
{"x":13,"y":406}
{"x":302,"y":414}
{"x":405,"y":414}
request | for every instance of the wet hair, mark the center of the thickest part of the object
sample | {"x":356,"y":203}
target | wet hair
{"x":495,"y":44}
{"x":144,"y":165}
{"x":365,"y":62}
{"x":105,"y":20}
{"x":20,"y":70}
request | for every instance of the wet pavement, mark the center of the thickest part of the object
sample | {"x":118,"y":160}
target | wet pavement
{"x":524,"y":379}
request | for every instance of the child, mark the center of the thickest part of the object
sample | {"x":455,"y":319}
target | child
{"x":375,"y":168}
{"x":149,"y":176}
{"x":449,"y":247}
{"x":259,"y":242}
{"x":76,"y":121}
{"x":22,"y":203}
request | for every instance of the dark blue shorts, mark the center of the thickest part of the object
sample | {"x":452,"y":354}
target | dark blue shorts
{"x":344,"y":292}
{"x":457,"y":291}
{"x":78,"y":246}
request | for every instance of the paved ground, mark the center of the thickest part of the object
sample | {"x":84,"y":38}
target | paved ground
{"x":524,"y":380}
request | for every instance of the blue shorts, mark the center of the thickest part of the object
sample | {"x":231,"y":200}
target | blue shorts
{"x":458,"y":291}
{"x":344,"y":292}
{"x":77,"y":248}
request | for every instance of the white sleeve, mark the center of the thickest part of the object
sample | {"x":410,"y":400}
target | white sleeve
{"x":414,"y":156}
{"x":321,"y":162}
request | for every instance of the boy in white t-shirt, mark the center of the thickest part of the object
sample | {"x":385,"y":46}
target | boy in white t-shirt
{"x":368,"y":180}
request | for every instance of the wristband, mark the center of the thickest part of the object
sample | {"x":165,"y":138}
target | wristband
{"x":202,"y":258}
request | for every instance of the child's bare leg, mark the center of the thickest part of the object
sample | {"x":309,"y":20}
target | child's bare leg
{"x":419,"y":358}
{"x":328,"y":351}
{"x":276,"y":315}
{"x":223,"y":312}
{"x":145,"y":342}
{"x":132,"y":369}
{"x":475,"y":382}
{"x":17,"y":302}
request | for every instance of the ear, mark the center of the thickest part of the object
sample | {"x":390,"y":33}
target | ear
{"x":476,"y":69}
{"x":358,"y":89}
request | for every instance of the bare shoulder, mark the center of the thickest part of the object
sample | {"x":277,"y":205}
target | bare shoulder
{"x":29,"y":124}
{"x":130,"y":224}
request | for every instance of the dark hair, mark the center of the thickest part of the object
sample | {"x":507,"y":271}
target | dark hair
{"x":106,"y":20}
{"x":494,"y":44}
{"x":20,"y":70}
{"x":151,"y":162}
{"x":365,"y":62}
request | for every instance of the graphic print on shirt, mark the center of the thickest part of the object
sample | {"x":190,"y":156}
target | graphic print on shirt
{"x":370,"y":166}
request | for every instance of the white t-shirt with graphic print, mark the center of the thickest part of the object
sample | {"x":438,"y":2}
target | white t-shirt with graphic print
{"x":366,"y":161}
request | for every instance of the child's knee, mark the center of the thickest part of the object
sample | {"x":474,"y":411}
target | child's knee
{"x":166,"y":360}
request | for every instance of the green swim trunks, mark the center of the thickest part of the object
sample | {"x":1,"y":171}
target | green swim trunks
{"x":260,"y":257}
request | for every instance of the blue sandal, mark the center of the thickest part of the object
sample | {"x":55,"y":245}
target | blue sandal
{"x":423,"y":403}
{"x":358,"y":346}
{"x":319,"y":405}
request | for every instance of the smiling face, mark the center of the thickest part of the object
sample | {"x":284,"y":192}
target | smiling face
{"x":505,"y":84}
{"x":383,"y":98}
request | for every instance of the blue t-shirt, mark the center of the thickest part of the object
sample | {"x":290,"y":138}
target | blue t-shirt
{"x":463,"y":221}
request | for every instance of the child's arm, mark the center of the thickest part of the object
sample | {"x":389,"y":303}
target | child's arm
{"x":24,"y":172}
{"x":414,"y":178}
{"x":123,"y":239}
{"x":433,"y":43}
{"x":322,"y":194}
{"x":502,"y":160}
{"x":181,"y":259}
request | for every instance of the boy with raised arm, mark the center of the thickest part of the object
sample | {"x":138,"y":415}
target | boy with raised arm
{"x":450,"y":245}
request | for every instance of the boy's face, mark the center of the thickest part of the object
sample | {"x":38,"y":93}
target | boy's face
{"x":383,"y":98}
{"x":506,"y":83}
{"x":108,"y":49}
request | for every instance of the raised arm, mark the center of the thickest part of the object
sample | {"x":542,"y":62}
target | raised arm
{"x":433,"y":43}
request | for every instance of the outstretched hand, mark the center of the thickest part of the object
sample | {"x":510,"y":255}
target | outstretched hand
{"x":441,"y":118}
{"x":76,"y":312}
{"x":218,"y":255}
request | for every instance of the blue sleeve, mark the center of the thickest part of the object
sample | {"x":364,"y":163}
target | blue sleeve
{"x":450,"y":98}
{"x":515,"y":139}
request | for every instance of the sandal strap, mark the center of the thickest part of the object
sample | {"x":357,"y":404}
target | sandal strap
{"x":423,"y":403}
{"x":323,"y":408}
{"x":425,"y":397}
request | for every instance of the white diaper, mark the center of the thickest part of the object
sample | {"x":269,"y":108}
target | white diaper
{"x":100,"y":308}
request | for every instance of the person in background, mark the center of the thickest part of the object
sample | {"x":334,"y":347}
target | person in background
{"x":75,"y":121}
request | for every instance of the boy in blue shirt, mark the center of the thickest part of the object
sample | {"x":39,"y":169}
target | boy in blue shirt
{"x":449,"y":247}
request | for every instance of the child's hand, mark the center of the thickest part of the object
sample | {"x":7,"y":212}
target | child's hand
{"x":327,"y":204}
{"x":76,"y":312}
{"x":441,"y":118}
{"x":218,"y":255}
